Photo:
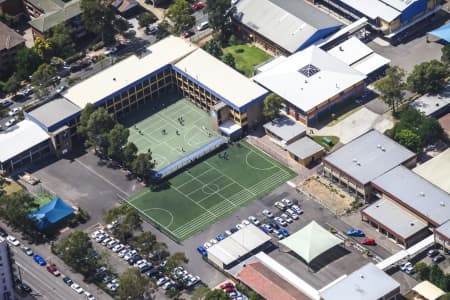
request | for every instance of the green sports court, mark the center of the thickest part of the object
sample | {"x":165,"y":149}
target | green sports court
{"x":211,"y":189}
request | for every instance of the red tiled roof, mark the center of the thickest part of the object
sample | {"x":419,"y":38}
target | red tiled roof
{"x":268,"y":284}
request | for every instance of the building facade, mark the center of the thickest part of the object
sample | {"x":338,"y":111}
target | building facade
{"x":6,"y":278}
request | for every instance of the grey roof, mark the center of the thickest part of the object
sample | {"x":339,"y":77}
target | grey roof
{"x":47,"y":5}
{"x":396,"y":218}
{"x":369,"y":156}
{"x":366,"y":283}
{"x":304,"y":148}
{"x":429,"y":104}
{"x":444,"y":229}
{"x":285,"y":128}
{"x":289,"y":28}
{"x":48,"y":20}
{"x":54,"y":112}
{"x":427,"y":200}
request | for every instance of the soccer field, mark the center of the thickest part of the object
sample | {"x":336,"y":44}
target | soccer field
{"x":211,"y":189}
{"x":155,"y":126}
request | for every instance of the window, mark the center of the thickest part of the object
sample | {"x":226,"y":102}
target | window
{"x":309,"y":70}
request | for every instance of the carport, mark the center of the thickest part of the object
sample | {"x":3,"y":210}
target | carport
{"x":311,"y":241}
{"x":442,"y":33}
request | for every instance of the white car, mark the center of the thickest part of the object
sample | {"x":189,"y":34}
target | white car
{"x":213,"y":241}
{"x":254,"y":220}
{"x":77,"y":288}
{"x":287,"y":202}
{"x":239,"y":226}
{"x":245,"y":223}
{"x":112,"y":243}
{"x":112,"y":225}
{"x":234,"y":2}
{"x":96,"y":233}
{"x":130,"y":254}
{"x":207,"y":245}
{"x":12,"y":240}
{"x":14,"y":111}
{"x":11,"y":122}
{"x":118,"y":248}
{"x":294,"y":216}
{"x":202,"y":26}
{"x":161,"y":281}
{"x":193,"y":280}
{"x":123,"y":252}
{"x":228,"y":233}
{"x":89,"y":296}
{"x":287,"y":218}
{"x":280,"y":221}
{"x":280,"y":205}
{"x":297,"y":209}
{"x":106,"y":241}
{"x":60,"y":88}
{"x":405,"y":266}
{"x":268,"y":213}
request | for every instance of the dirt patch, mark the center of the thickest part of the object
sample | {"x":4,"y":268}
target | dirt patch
{"x":327,"y":194}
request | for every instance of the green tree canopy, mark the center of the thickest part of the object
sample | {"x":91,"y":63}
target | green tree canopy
{"x":445,"y":58}
{"x":229,"y":60}
{"x":44,"y":49}
{"x":271,"y":106}
{"x":409,"y":139}
{"x":43,"y":76}
{"x":146,"y":19}
{"x":61,"y":40}
{"x":12,"y":85}
{"x":117,"y":139}
{"x":391,"y":87}
{"x":428,"y":77}
{"x":436,"y":275}
{"x":212,"y":47}
{"x":216,"y":294}
{"x":143,"y":165}
{"x":180,"y":14}
{"x":129,"y":154}
{"x":98,"y":18}
{"x":133,"y":285}
{"x":27,"y":61}
{"x":216,"y":10}
{"x":98,"y":126}
{"x":84,"y":118}
{"x":175,"y":260}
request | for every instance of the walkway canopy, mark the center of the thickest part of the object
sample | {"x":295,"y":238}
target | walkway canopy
{"x":442,"y":33}
{"x":311,"y":241}
{"x":51,"y":213}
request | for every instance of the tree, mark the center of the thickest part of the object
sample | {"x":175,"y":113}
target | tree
{"x":27,"y":61}
{"x":391,"y":87}
{"x":76,"y":250}
{"x":217,"y":294}
{"x":409,"y":139}
{"x":133,"y":285}
{"x":132,"y":221}
{"x":143,"y":165}
{"x":430,"y":131}
{"x":117,"y":139}
{"x":216,"y":10}
{"x":145,"y":241}
{"x":43,"y":76}
{"x":180,"y":14}
{"x":43,"y":48}
{"x":444,"y":283}
{"x":271,"y":106}
{"x":428,"y":77}
{"x":61,"y":40}
{"x":445,"y":58}
{"x":422,"y":269}
{"x":129,"y":154}
{"x":84,"y":118}
{"x":159,"y":249}
{"x":12,"y":85}
{"x":98,"y":18}
{"x":121,"y":25}
{"x":445,"y":297}
{"x":212,"y":47}
{"x":175,"y":260}
{"x":229,"y":60}
{"x":436,"y":275}
{"x":114,"y":213}
{"x":146,"y":19}
{"x":99,"y":124}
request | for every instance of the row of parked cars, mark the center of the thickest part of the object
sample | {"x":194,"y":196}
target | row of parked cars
{"x":179,"y":277}
{"x":231,"y":291}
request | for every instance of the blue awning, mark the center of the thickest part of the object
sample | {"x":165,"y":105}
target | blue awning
{"x":442,"y":32}
{"x":51,"y":213}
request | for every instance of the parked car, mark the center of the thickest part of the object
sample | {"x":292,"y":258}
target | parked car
{"x":202,"y":26}
{"x":207,"y":245}
{"x":187,"y":34}
{"x":280,"y":205}
{"x":3,"y":233}
{"x":438,"y":258}
{"x":233,"y":230}
{"x":284,"y":232}
{"x":198,"y":6}
{"x":202,"y":251}
{"x":161,"y":281}
{"x":286,"y":218}
{"x":267,"y":213}
{"x":89,"y":296}
{"x":67,"y":280}
{"x":152,"y":30}
{"x":368,"y":241}
{"x":220,"y":237}
{"x":226,"y":285}
{"x":239,"y":226}
{"x":11,"y":122}
{"x":280,"y":221}
{"x":60,"y":88}
{"x":112,"y":225}
{"x":26,"y":91}
{"x":407,"y":267}
{"x":266,"y":228}
{"x":5,"y":103}
{"x":287,"y":202}
{"x":52,"y":269}
{"x":245,"y":223}
{"x":39,"y":260}
{"x":118,"y":248}
{"x":12,"y":240}
{"x":14,"y":111}
{"x":24,"y":287}
{"x":277,"y":234}
{"x":254,"y":220}
{"x":228,"y":232}
{"x":298,"y":210}
{"x":355,"y":232}
{"x":77,"y":288}
{"x":26,"y":250}
{"x":432,"y":253}
{"x":274,"y":225}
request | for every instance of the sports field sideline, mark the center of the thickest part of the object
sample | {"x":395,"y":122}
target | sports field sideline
{"x":211,"y":189}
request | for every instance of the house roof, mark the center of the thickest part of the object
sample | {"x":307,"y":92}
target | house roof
{"x":366,"y":283}
{"x":47,"y":5}
{"x":19,"y":138}
{"x":268,"y":284}
{"x":304,"y":148}
{"x":50,"y":19}
{"x":428,"y":290}
{"x":415,"y":192}
{"x":290,"y":24}
{"x":308,"y":78}
{"x":311,"y":241}
{"x":51,"y":213}
{"x":437,"y":170}
{"x":374,"y":9}
{"x":9,"y":38}
{"x":429,"y":104}
{"x":285,"y":128}
{"x":396,"y":218}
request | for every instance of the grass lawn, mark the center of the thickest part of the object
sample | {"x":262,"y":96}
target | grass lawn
{"x":247,"y":57}
{"x":319,"y":139}
{"x":12,"y":187}
{"x":43,"y":199}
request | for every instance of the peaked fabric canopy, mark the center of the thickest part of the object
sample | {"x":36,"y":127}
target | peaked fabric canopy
{"x":311,"y":241}
{"x":51,"y":213}
{"x":442,"y":32}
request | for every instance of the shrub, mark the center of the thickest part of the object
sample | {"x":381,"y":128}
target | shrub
{"x":239,"y":50}
{"x":75,"y":57}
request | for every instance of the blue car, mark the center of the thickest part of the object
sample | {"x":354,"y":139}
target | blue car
{"x":220,"y":237}
{"x":39,"y":260}
{"x":355,"y":232}
{"x":202,"y":251}
{"x":284,"y":232}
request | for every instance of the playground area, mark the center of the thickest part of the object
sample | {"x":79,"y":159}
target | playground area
{"x":211,"y":189}
{"x":170,"y":127}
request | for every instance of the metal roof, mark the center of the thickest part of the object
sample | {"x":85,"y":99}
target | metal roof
{"x":366,"y":283}
{"x":52,"y":18}
{"x":287,"y":23}
{"x":427,"y":200}
{"x":369,"y":156}
{"x":444,"y":229}
{"x":371,"y":63}
{"x":54,"y":112}
{"x":19,"y":138}
{"x":429,"y":104}
{"x":304,"y":148}
{"x":305,"y":92}
{"x":350,"y":51}
{"x":285,"y":128}
{"x":374,"y":9}
{"x":396,"y":218}
{"x":437,"y":170}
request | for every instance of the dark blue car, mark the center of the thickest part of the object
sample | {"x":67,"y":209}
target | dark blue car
{"x":355,"y":232}
{"x":38,"y":259}
{"x":284,"y":232}
{"x":202,"y":251}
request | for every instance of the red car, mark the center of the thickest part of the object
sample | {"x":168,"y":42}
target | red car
{"x":52,"y":269}
{"x":369,"y":242}
{"x":226,"y":285}
{"x":187,"y":34}
{"x":198,"y":6}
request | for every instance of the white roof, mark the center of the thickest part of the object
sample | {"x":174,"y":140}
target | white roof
{"x":350,"y":51}
{"x":399,"y":5}
{"x":374,"y":9}
{"x":366,"y":283}
{"x":270,"y":63}
{"x":306,"y":93}
{"x":19,"y":138}
{"x":370,"y":63}
{"x":238,"y":244}
{"x":429,"y":104}
{"x":311,"y":241}
{"x":437,"y":170}
{"x":231,"y":86}
{"x":126,"y":72}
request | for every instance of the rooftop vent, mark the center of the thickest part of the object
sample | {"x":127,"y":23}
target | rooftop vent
{"x":422,"y":194}
{"x":341,"y":49}
{"x":412,"y":224}
{"x":358,"y":163}
{"x":361,"y":276}
{"x":379,"y":146}
{"x":354,"y":160}
{"x":442,"y":203}
{"x":309,"y":70}
{"x":383,"y":149}
{"x":114,"y":78}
